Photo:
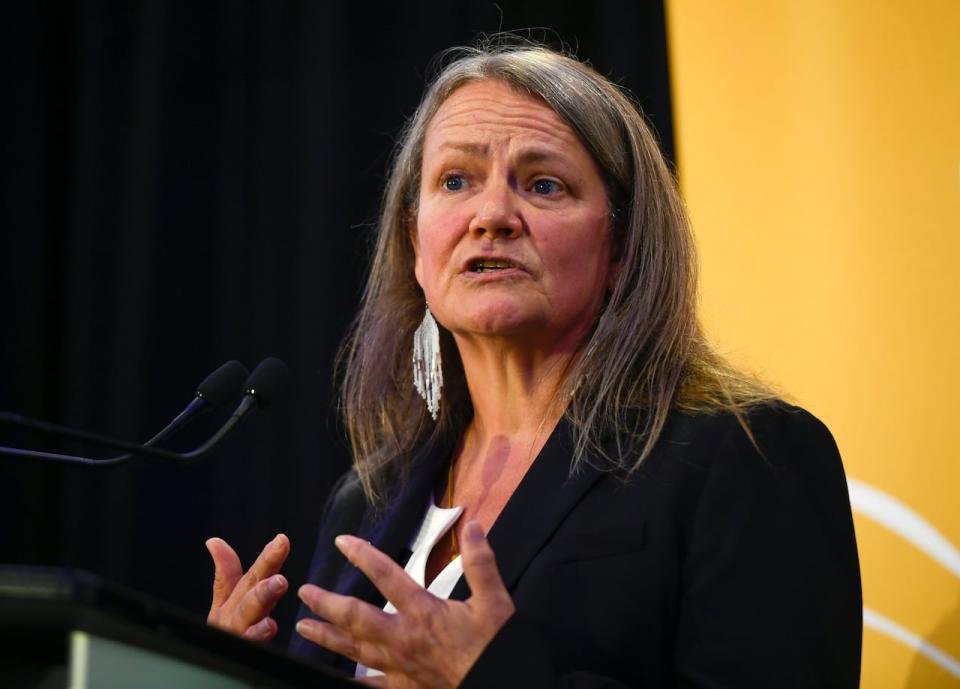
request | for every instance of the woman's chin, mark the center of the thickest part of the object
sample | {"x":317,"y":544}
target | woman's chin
{"x":497,"y":324}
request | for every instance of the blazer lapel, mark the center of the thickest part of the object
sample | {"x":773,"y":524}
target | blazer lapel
{"x":545,"y":495}
{"x":392,"y":531}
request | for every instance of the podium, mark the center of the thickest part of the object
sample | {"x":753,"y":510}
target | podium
{"x":62,"y":628}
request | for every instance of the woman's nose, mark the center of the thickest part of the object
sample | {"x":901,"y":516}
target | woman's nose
{"x":498,"y":216}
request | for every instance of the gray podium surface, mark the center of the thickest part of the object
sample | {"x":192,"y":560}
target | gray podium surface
{"x":70,"y":629}
{"x":98,"y":663}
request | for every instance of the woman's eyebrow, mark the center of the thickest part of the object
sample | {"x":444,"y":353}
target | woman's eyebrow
{"x":474,"y":149}
{"x":539,"y":155}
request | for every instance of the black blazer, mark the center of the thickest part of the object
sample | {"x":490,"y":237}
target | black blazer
{"x":715,"y":566}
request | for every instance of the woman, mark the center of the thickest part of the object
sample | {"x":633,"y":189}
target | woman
{"x":655,"y":518}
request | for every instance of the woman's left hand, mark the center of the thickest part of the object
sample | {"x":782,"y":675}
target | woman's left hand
{"x":429,"y":642}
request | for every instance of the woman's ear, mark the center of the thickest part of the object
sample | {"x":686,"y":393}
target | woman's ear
{"x":414,"y":240}
{"x":616,"y":260}
{"x":411,"y":228}
{"x":613,"y":273}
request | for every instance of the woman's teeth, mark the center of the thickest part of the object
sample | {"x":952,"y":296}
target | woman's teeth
{"x":486,"y":266}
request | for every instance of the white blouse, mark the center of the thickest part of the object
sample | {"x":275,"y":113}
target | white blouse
{"x":436,"y":522}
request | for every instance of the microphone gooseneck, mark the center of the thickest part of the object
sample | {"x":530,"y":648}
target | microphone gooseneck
{"x":213,"y":392}
{"x":216,"y":390}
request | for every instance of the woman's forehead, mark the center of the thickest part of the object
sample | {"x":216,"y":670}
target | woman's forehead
{"x":485,"y":113}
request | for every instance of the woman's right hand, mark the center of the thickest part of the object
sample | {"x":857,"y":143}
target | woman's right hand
{"x":242,"y":602}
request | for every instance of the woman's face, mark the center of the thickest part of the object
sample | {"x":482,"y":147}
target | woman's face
{"x":511,"y":236}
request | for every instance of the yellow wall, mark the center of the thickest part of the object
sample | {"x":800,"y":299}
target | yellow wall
{"x":819,"y":153}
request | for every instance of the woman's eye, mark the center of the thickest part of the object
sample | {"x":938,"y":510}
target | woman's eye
{"x":545,"y":187}
{"x":454,"y":183}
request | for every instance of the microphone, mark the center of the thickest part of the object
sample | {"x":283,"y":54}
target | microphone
{"x":213,"y":392}
{"x":260,"y":388}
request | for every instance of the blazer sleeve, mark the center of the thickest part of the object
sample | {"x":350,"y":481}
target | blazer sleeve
{"x":342,"y":513}
{"x":770,"y":586}
{"x":771,"y":582}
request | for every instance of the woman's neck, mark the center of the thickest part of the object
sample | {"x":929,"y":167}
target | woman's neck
{"x":514,"y":394}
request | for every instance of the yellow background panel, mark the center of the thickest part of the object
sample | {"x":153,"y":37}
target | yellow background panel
{"x":819,"y":154}
{"x":905,"y":585}
{"x":894,"y":666}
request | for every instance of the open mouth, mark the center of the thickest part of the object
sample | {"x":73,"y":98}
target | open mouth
{"x":490,"y":265}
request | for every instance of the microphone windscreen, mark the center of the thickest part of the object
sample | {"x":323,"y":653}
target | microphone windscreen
{"x":266,"y":380}
{"x":221,"y":385}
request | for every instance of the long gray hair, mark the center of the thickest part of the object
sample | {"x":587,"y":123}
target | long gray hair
{"x":645,"y":355}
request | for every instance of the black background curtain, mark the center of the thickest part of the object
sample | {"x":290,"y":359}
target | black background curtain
{"x":190,"y":182}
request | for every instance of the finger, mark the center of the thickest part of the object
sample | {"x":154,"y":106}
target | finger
{"x":267,"y":564}
{"x":389,"y":578}
{"x":341,"y":642}
{"x":347,"y":613}
{"x":227,"y":570}
{"x":258,"y":602}
{"x":264,"y":630}
{"x":378,"y":681}
{"x":480,"y":569}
